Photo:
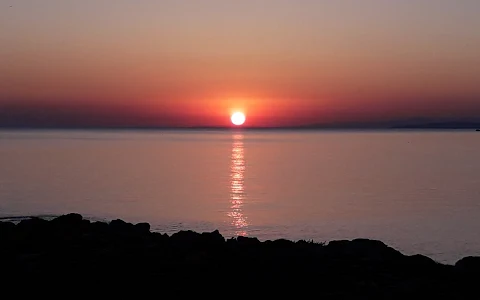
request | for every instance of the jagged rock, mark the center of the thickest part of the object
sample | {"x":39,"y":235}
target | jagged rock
{"x":70,"y":247}
{"x":98,"y":227}
{"x":185,"y":238}
{"x":283,"y":243}
{"x":247,"y":241}
{"x":213,"y":238}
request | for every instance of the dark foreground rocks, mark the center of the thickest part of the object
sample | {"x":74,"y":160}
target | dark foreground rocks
{"x":74,"y":251}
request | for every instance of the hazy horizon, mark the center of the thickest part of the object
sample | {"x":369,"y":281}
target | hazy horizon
{"x":284,"y":63}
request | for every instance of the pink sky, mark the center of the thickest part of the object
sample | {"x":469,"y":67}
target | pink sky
{"x":281,"y":62}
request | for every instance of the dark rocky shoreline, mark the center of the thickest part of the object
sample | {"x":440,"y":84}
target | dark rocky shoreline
{"x":70,"y":247}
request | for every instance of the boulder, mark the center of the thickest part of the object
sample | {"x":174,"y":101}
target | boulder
{"x":120,"y":226}
{"x":212,"y":238}
{"x":6,"y":229}
{"x":98,"y":227}
{"x":469,"y":265}
{"x":69,"y":222}
{"x":185,"y":238}
{"x":247,"y":241}
{"x":142,"y":228}
{"x":363,"y":248}
{"x":33,"y":224}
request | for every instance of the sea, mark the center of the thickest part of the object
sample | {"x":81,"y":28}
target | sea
{"x":416,"y":191}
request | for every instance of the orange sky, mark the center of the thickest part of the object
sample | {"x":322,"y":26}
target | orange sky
{"x":282,"y":62}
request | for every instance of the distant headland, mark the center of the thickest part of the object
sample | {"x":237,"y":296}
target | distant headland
{"x":390,"y":125}
{"x":72,"y":248}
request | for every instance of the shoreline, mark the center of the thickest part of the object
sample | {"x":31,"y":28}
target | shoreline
{"x":74,"y":247}
{"x":169,"y":230}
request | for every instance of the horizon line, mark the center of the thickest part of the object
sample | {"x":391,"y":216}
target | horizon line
{"x":246,"y":128}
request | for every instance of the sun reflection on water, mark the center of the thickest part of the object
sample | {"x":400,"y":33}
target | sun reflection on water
{"x":237,"y":187}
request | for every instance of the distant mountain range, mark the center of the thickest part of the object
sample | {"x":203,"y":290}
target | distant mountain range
{"x":409,"y":124}
{"x":445,"y":125}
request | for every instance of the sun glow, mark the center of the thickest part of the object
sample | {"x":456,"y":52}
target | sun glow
{"x":238,"y":118}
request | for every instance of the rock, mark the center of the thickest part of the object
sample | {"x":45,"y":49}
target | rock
{"x":68,"y":222}
{"x":283,"y":243}
{"x":363,"y":248}
{"x":421,"y":260}
{"x":39,"y":250}
{"x":186,"y":238}
{"x":212,"y":238}
{"x":469,"y":265}
{"x":98,"y":227}
{"x":248,"y":241}
{"x":6,"y":228}
{"x":72,"y":218}
{"x":120,"y":226}
{"x":159,"y":237}
{"x":33,"y":225}
{"x":142,"y":228}
{"x":420,"y":263}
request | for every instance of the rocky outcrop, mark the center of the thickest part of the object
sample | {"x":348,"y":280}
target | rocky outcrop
{"x":70,"y":247}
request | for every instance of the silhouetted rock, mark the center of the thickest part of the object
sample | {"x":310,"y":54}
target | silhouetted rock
{"x":283,"y":243}
{"x":70,"y":220}
{"x":143,"y":228}
{"x":33,"y":225}
{"x":422,"y":261}
{"x":469,"y":265}
{"x":6,"y":228}
{"x":98,"y":227}
{"x":213,"y":239}
{"x":364,"y":248}
{"x":185,"y":238}
{"x":69,"y":247}
{"x":120,"y":226}
{"x":247,"y":241}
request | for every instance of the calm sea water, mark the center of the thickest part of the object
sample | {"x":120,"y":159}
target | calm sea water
{"x":416,"y":191}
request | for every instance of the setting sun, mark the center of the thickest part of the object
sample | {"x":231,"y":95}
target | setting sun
{"x":238,"y":118}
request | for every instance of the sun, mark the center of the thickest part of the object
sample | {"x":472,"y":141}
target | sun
{"x":238,"y":118}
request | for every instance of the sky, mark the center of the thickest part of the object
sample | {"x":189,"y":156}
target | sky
{"x":193,"y":63}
